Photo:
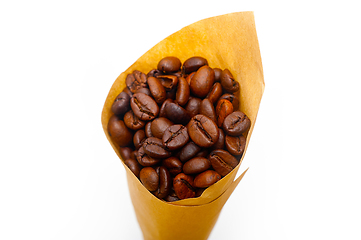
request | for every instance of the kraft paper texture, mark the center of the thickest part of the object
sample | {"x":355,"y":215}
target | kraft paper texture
{"x":226,"y":41}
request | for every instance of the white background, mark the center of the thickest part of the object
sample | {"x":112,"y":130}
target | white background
{"x":59,"y":176}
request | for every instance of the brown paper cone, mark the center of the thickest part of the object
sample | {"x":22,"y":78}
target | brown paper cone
{"x":227,"y":41}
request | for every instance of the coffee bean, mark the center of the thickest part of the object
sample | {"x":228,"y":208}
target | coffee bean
{"x":132,"y":121}
{"x":144,"y":107}
{"x":183,"y":186}
{"x":220,"y":142}
{"x":189,"y":151}
{"x":223,"y":109}
{"x":203,"y":131}
{"x":203,"y":153}
{"x":206,"y":179}
{"x":169,"y":82}
{"x":207,"y":109}
{"x":232,"y":98}
{"x":136,"y":80}
{"x":215,"y":93}
{"x":143,"y":90}
{"x":169,"y":64}
{"x":157,"y":90}
{"x":144,"y":159}
{"x":173,"y":164}
{"x":193,"y":64}
{"x":148,"y":129}
{"x":177,"y":114}
{"x":154,"y":148}
{"x":236,"y":123}
{"x":121,"y":104}
{"x":229,"y":84}
{"x":183,"y":92}
{"x":162,"y":112}
{"x":159,"y":125}
{"x":217,"y":74}
{"x":125,"y":152}
{"x":165,"y":182}
{"x":172,"y":196}
{"x":134,"y":166}
{"x":222,"y":161}
{"x":196,"y":165}
{"x":189,"y":77}
{"x":138,"y":138}
{"x":202,"y":81}
{"x":154,"y":73}
{"x":175,"y":137}
{"x":235,"y":145}
{"x":119,"y":132}
{"x":193,"y":106}
{"x":149,"y":177}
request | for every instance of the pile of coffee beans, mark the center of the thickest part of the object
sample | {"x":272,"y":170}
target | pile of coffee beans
{"x":178,"y":127}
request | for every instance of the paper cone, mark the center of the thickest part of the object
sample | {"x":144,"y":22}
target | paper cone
{"x":227,"y":41}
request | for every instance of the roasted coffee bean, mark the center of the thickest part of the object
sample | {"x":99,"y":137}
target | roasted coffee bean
{"x":132,"y":121}
{"x":171,"y":94}
{"x":207,"y":109}
{"x":189,"y":151}
{"x":127,"y":91}
{"x":148,"y":129}
{"x":165,"y":182}
{"x":173,"y":164}
{"x":220,"y":142}
{"x":144,"y":107}
{"x":121,"y":104}
{"x":162,"y":112}
{"x":232,"y":98}
{"x":159,"y":125}
{"x":183,"y":92}
{"x":136,"y":80}
{"x":222,"y":161}
{"x":193,"y":106}
{"x":189,"y":77}
{"x":157,"y":90}
{"x":144,"y":90}
{"x":133,"y":155}
{"x":183,"y":186}
{"x":144,"y":159}
{"x":150,"y":179}
{"x":119,"y":133}
{"x":235,"y":145}
{"x":154,"y":73}
{"x":236,"y":123}
{"x":202,"y":81}
{"x":172,"y":196}
{"x":206,"y":179}
{"x":154,"y":148}
{"x":193,"y":64}
{"x":223,"y":109}
{"x":169,"y":82}
{"x":125,"y":152}
{"x":175,"y":137}
{"x":215,"y":93}
{"x":229,"y":84}
{"x":217,"y":74}
{"x":203,"y":153}
{"x":177,"y":114}
{"x":196,"y":165}
{"x":134,"y":166}
{"x":169,"y":64}
{"x":203,"y":131}
{"x":138,"y":138}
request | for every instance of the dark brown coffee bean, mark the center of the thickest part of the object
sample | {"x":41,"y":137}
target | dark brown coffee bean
{"x":171,"y":94}
{"x":136,"y":80}
{"x":154,"y":73}
{"x":150,"y":179}
{"x":223,"y":109}
{"x":196,"y":165}
{"x":148,"y":129}
{"x":183,"y":92}
{"x":217,"y":74}
{"x":183,"y":186}
{"x":138,"y":138}
{"x":193,"y":64}
{"x":203,"y":131}
{"x":220,"y":142}
{"x":119,"y":132}
{"x":132,"y":121}
{"x":134,"y":166}
{"x":125,"y":152}
{"x":173,"y":164}
{"x":207,"y":109}
{"x":144,"y":90}
{"x":133,"y":155}
{"x":206,"y":179}
{"x":203,"y":153}
{"x":144,"y":107}
{"x":235,"y":145}
{"x":189,"y":77}
{"x":169,"y":64}
{"x":229,"y":84}
{"x":144,"y":159}
{"x":172,"y":196}
{"x":159,"y":125}
{"x":156,"y":89}
{"x":162,"y":112}
{"x":177,"y":114}
{"x":175,"y":137}
{"x":202,"y":81}
{"x":154,"y":148}
{"x":236,"y":123}
{"x":193,"y":106}
{"x":232,"y":98}
{"x":215,"y":93}
{"x":222,"y":161}
{"x":165,"y":182}
{"x":189,"y":151}
{"x":121,"y":104}
{"x":169,"y":82}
